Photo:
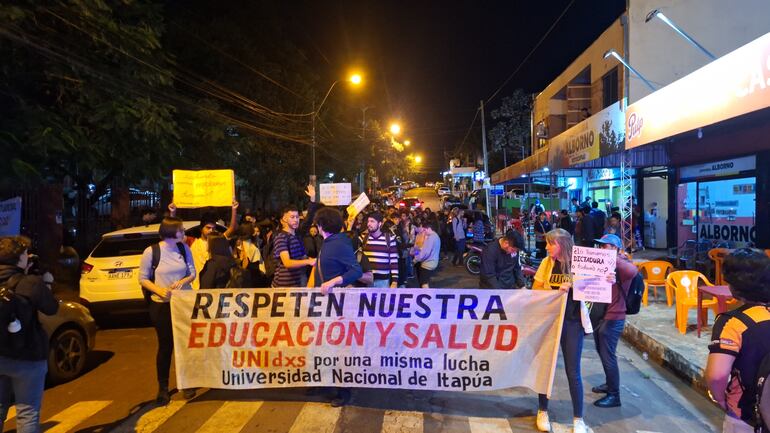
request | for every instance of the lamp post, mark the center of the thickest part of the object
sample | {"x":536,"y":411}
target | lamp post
{"x":659,"y":15}
{"x":354,"y":79}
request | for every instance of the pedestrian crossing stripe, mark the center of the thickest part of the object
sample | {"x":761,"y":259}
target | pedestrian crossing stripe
{"x":69,"y":418}
{"x":231,"y":417}
{"x":489,"y":425}
{"x":317,"y":418}
{"x":149,"y":418}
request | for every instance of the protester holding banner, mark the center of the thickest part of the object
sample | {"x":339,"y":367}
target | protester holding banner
{"x":554,"y":274}
{"x":336,"y":266}
{"x":172,"y":271}
{"x":610,"y":325}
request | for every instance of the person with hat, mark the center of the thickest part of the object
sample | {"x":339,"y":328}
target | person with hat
{"x":611,"y":318}
{"x":500,"y":267}
{"x":381,"y":251}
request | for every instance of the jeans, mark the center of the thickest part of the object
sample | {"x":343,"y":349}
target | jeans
{"x":606,"y":336}
{"x":459,"y":251}
{"x":383,"y":284}
{"x":26,"y":379}
{"x":402,"y":272}
{"x":160,"y":314}
{"x":572,"y":348}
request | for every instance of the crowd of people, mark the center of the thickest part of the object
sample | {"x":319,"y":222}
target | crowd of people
{"x":384,"y":247}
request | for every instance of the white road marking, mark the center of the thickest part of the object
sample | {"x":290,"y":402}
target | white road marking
{"x":149,"y":418}
{"x":316,"y":418}
{"x":69,"y":418}
{"x":231,"y":417}
{"x":402,"y":422}
{"x":489,"y":425}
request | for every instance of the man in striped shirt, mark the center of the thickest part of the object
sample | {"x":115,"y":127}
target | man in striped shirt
{"x":289,"y":252}
{"x":382,"y":253}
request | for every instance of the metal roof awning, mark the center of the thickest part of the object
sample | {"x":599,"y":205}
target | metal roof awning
{"x":526,"y":166}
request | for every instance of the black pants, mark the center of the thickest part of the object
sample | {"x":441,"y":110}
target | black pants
{"x":572,"y":349}
{"x":160,"y":314}
{"x":606,"y":336}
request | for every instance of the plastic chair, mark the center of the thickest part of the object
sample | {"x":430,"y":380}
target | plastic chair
{"x":718,"y":256}
{"x":685,"y":284}
{"x":655,"y":273}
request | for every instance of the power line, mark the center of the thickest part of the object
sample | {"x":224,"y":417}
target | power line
{"x":470,"y":128}
{"x":537,"y":45}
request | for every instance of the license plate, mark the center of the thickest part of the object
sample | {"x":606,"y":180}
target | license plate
{"x":121,"y":275}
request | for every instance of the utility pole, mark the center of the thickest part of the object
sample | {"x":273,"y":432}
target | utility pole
{"x":313,"y":175}
{"x":486,"y":157}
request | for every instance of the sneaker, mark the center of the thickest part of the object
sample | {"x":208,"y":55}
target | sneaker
{"x":542,"y":422}
{"x":579,"y":426}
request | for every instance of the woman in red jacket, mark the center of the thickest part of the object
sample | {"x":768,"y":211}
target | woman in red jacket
{"x":610,"y":327}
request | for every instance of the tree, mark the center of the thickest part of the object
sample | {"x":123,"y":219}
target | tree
{"x":512,"y":133}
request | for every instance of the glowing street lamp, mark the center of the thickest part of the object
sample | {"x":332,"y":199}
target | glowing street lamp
{"x":418,"y":159}
{"x":407,"y":143}
{"x":395,"y":128}
{"x":356,"y":79}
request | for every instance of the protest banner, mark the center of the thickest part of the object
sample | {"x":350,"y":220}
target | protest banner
{"x":201,"y":188}
{"x":590,"y":268}
{"x":435,"y":339}
{"x":10,"y":217}
{"x":335,"y":194}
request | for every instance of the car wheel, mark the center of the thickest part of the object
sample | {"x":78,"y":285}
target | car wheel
{"x":67,"y":355}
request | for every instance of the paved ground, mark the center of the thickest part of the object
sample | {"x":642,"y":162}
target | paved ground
{"x":116,"y":395}
{"x":428,"y":195}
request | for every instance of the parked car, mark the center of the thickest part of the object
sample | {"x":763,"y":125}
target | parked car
{"x":429,"y":184}
{"x":449,"y":201}
{"x":410,"y":203}
{"x":72,"y":335}
{"x":109,"y":275}
{"x":444,"y":190}
{"x":396,"y":190}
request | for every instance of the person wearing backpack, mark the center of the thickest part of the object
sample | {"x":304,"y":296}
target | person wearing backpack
{"x":609,"y":326}
{"x":23,"y":342}
{"x":166,"y":267}
{"x":739,"y":352}
{"x":221,"y":270}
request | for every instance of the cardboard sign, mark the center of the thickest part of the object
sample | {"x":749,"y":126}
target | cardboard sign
{"x":193,"y":189}
{"x":590,"y":269}
{"x":439,"y":339}
{"x":10,"y":217}
{"x":359,"y":205}
{"x":335,"y":194}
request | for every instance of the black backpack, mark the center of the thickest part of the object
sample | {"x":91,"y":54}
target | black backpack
{"x":156,"y":261}
{"x":762,"y":402}
{"x":635,"y":294}
{"x":271,"y":263}
{"x":13,"y":308}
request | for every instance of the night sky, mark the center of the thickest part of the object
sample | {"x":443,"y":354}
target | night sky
{"x":429,"y":63}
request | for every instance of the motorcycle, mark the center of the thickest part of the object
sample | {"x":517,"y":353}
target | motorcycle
{"x":472,"y":261}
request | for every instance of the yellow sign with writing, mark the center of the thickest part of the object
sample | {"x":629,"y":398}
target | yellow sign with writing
{"x":203,"y":188}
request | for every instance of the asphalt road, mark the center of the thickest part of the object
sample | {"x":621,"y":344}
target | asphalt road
{"x":117,"y":393}
{"x":427,"y":195}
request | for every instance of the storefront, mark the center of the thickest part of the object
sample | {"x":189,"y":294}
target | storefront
{"x":715,"y":124}
{"x":716,"y":203}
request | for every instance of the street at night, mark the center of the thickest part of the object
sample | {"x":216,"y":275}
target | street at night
{"x":384,"y":216}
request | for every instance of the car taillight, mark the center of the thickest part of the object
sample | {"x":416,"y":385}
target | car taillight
{"x":86,"y":268}
{"x":401,"y":204}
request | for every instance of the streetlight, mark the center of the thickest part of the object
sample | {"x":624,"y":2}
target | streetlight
{"x":407,"y":143}
{"x":615,"y":54}
{"x":355,"y":80}
{"x":395,"y":128}
{"x":659,"y":15}
{"x":418,"y":159}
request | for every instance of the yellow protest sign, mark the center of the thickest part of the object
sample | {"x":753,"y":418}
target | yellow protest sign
{"x":203,"y":188}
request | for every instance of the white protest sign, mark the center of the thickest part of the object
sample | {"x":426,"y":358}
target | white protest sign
{"x":359,"y":205}
{"x":335,"y":194}
{"x":590,"y":268}
{"x":437,"y":339}
{"x":10,"y":217}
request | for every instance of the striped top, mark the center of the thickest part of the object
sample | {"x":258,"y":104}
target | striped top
{"x":285,"y":277}
{"x":383,"y":256}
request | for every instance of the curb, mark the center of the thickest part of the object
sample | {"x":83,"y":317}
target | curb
{"x":662,"y":355}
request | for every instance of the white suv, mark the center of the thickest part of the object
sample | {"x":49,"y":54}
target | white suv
{"x":109,"y":276}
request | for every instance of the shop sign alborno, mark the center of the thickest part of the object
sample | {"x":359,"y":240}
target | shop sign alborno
{"x":735,"y":84}
{"x":599,"y":135}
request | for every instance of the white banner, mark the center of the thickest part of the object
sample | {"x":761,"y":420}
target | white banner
{"x":425,"y":339}
{"x":10,"y":217}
